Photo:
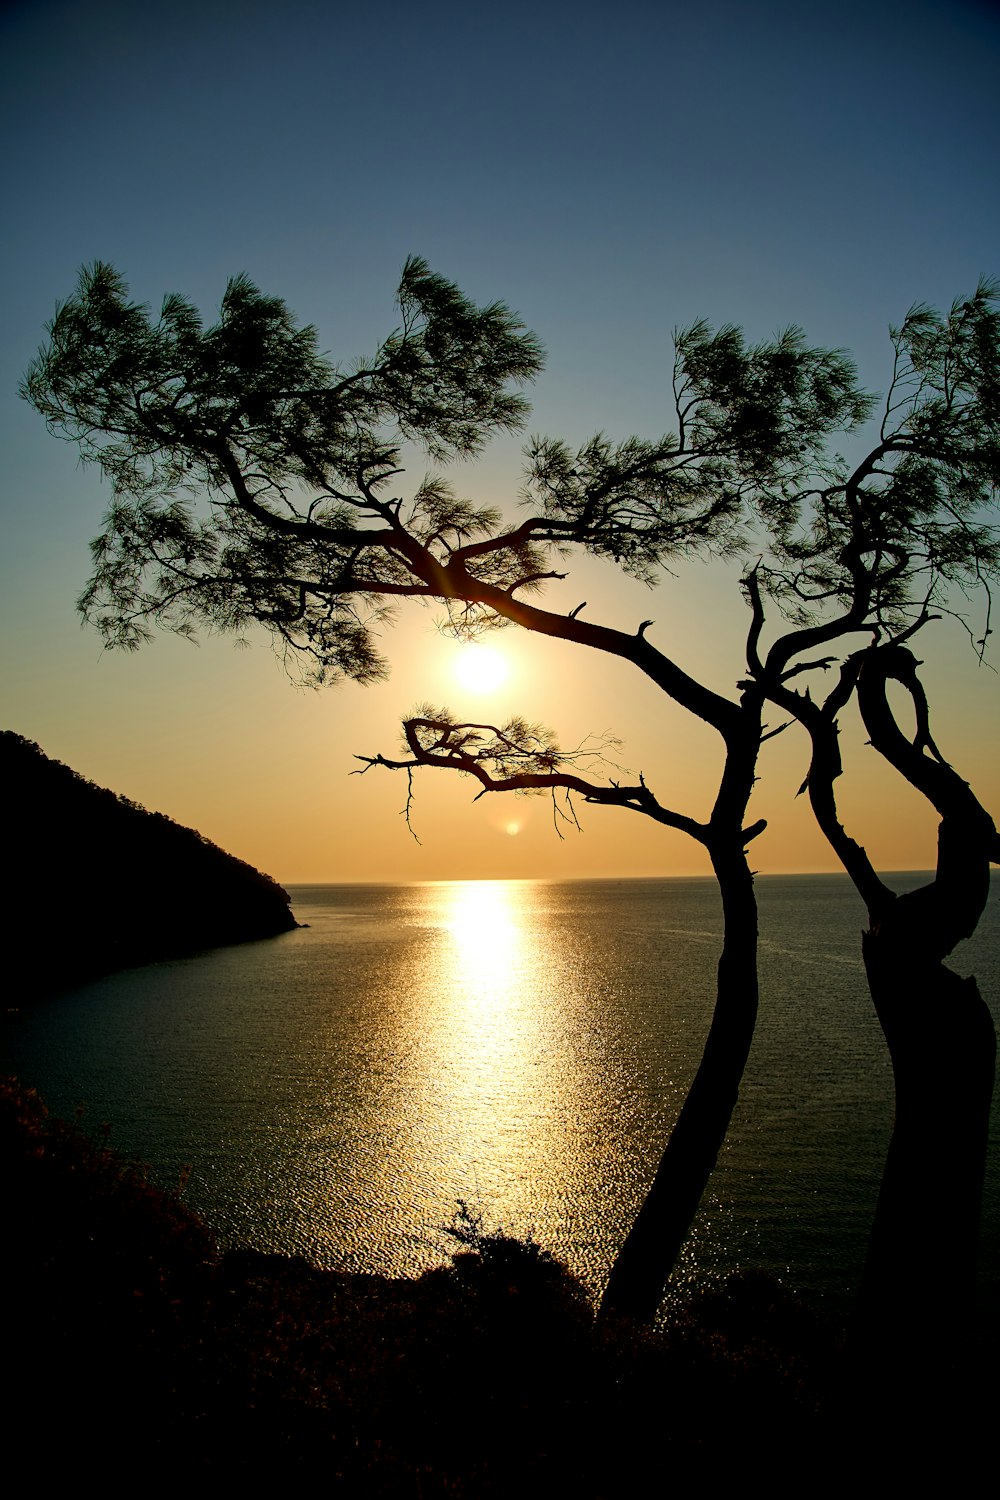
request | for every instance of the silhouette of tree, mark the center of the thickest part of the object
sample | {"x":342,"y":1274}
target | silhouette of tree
{"x":939,"y":1031}
{"x":915,"y":519}
{"x":294,"y":463}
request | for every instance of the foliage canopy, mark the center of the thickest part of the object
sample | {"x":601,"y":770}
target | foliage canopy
{"x":254,"y":480}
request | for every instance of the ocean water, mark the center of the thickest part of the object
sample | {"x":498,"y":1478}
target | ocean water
{"x":523,"y":1046}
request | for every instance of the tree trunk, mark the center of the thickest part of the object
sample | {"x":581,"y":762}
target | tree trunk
{"x":647,"y":1257}
{"x":918,"y":1292}
{"x":919,"y":1283}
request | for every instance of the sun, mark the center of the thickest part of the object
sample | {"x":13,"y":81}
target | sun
{"x":480,"y":669}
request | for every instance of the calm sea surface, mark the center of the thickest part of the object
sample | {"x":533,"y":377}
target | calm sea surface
{"x":521,"y":1045}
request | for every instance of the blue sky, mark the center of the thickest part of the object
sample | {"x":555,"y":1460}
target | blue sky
{"x":611,"y":171}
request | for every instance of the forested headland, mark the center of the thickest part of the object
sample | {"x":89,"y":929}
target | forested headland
{"x":92,"y":882}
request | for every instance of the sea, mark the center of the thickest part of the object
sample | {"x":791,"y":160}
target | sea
{"x":519,"y":1047}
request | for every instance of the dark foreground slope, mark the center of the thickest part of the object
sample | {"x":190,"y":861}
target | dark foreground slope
{"x":139,"y":1354}
{"x":138,"y":1350}
{"x":91,"y":882}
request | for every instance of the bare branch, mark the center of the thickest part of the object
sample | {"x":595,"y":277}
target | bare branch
{"x":493,"y":756}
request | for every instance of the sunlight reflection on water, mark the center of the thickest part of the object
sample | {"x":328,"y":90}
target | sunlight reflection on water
{"x":521,"y":1045}
{"x":509,"y":1082}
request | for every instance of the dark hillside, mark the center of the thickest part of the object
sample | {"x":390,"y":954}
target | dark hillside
{"x":136,"y":1351}
{"x":92,"y":882}
{"x":144,"y":1353}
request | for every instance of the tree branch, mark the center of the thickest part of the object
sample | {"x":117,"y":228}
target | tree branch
{"x":479,"y":750}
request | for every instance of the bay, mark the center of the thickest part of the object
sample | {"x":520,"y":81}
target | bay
{"x":523,"y":1046}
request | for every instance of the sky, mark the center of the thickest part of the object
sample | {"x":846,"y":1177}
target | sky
{"x":610,"y":172}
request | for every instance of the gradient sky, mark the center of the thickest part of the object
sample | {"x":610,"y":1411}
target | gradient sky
{"x":610,"y":171}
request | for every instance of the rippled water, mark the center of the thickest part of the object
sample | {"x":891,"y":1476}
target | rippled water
{"x":522,"y":1045}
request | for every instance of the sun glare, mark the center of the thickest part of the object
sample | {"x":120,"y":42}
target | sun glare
{"x":480,"y":669}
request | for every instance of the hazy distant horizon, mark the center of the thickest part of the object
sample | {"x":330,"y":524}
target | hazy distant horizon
{"x":570,"y":879}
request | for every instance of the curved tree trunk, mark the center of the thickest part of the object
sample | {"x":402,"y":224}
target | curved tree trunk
{"x":943,"y":1047}
{"x":919,"y":1283}
{"x":647,"y":1257}
{"x":941,"y":1038}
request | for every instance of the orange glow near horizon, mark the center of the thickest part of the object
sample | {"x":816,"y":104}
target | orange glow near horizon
{"x":217,"y":740}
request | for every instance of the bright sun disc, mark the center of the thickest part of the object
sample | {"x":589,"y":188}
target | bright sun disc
{"x":480,"y":669}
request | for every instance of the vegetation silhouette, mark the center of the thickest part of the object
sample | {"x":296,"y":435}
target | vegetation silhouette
{"x":138,"y":887}
{"x":938,"y":1029}
{"x":143,"y":1343}
{"x":254,"y":482}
